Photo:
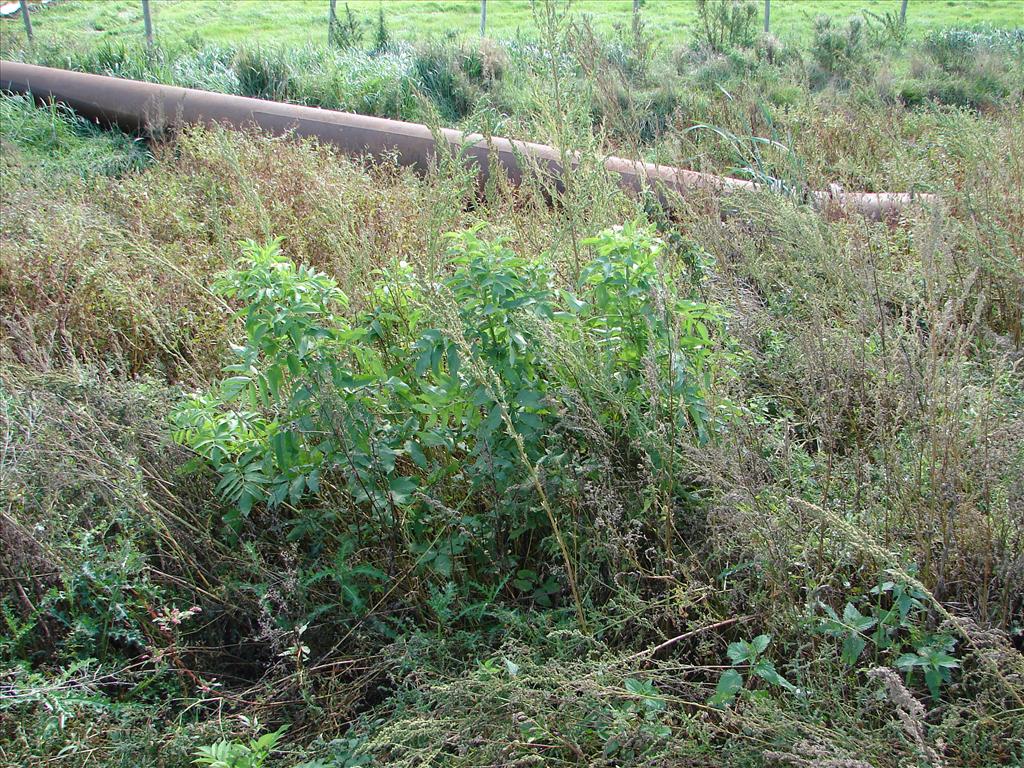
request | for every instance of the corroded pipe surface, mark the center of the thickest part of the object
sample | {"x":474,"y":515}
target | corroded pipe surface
{"x":141,"y":106}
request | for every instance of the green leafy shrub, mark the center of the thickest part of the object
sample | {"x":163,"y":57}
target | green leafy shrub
{"x":725,"y":24}
{"x":293,"y":338}
{"x":836,"y":50}
{"x":235,"y":754}
{"x":409,"y":410}
{"x":382,"y":41}
{"x":347,"y":32}
{"x":886,"y":30}
{"x":749,"y":655}
{"x":893,"y":624}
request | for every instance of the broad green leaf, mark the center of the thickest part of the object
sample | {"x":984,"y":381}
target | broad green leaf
{"x":910,"y":660}
{"x":766,"y":671}
{"x":856,"y":620}
{"x":853,"y":646}
{"x":933,"y":679}
{"x":729,"y":684}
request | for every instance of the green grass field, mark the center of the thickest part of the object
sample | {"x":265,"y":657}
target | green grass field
{"x":301,"y":21}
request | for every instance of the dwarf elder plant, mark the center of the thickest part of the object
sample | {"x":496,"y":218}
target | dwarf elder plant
{"x":653,"y":342}
{"x":261,"y":429}
{"x":430,"y":430}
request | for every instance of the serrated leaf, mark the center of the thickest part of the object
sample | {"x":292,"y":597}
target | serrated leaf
{"x":729,"y":684}
{"x":909,"y":660}
{"x":737,"y":652}
{"x":853,"y":646}
{"x":933,"y":679}
{"x":767,"y":672}
{"x":856,"y":620}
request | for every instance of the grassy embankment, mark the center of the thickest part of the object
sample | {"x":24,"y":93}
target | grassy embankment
{"x":750,"y":494}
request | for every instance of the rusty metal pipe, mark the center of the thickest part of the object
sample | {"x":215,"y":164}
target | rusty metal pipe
{"x":140,"y":106}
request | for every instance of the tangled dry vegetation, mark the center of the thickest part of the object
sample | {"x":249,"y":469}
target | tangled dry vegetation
{"x":737,"y":484}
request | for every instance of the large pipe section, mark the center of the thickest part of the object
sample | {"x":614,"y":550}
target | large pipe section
{"x":140,"y":106}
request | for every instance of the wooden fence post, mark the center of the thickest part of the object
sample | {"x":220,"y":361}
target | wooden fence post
{"x":483,"y":17}
{"x":903,"y":12}
{"x":767,"y":15}
{"x":332,"y":19}
{"x":148,"y":21}
{"x":27,"y":20}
